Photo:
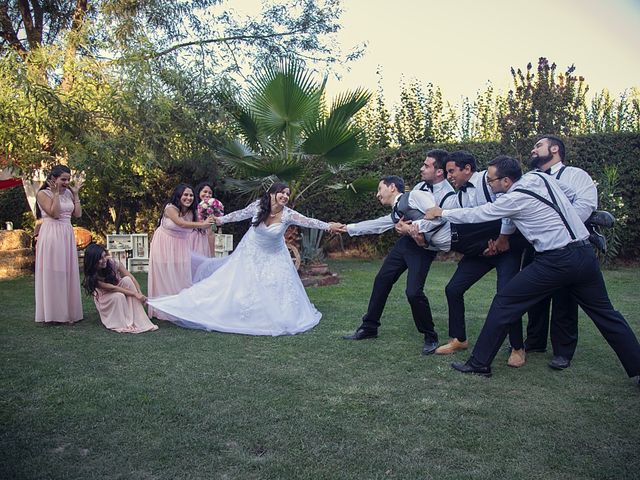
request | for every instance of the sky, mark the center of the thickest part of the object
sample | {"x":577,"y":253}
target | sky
{"x":460,"y":45}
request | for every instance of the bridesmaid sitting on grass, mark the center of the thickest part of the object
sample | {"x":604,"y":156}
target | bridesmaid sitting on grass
{"x":115,"y":292}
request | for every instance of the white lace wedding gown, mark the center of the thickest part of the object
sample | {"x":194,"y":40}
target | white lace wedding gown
{"x":254,"y":291}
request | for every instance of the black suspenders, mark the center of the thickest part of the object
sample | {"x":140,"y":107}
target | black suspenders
{"x":445,"y":197}
{"x":487,"y":195}
{"x":553,"y":203}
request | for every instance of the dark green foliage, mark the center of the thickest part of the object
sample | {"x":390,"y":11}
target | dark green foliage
{"x":589,"y":152}
{"x":13,"y":206}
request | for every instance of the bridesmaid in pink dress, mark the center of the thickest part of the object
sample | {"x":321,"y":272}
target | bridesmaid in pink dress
{"x":57,"y":276}
{"x":115,"y":292}
{"x":170,"y":252}
{"x":201,"y":240}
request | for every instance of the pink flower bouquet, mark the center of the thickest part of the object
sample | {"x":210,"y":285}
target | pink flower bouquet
{"x":208,"y":207}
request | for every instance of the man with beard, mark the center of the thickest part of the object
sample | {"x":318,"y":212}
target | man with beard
{"x":539,"y":207}
{"x":406,"y":254}
{"x":547,"y":156}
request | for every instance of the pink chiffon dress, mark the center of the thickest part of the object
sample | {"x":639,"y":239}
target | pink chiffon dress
{"x":199,"y":242}
{"x":169,"y":261}
{"x":57,"y":275}
{"x":119,"y":312}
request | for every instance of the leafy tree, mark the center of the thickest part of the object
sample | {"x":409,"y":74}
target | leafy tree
{"x":374,"y":119}
{"x":286,"y":132}
{"x":606,"y":114}
{"x":409,"y":118}
{"x":543,"y":101}
{"x":124,"y":90}
{"x":487,"y":108}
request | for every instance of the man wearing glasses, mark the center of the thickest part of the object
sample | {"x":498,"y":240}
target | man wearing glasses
{"x":540,"y":207}
{"x":474,"y":189}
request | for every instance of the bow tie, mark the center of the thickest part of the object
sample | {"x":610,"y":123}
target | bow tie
{"x":395,"y":214}
{"x":464,"y":187}
{"x":548,"y":171}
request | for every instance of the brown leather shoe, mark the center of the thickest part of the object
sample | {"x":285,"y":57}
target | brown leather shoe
{"x":517,"y":358}
{"x":453,"y":346}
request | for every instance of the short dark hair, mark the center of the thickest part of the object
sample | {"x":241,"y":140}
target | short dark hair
{"x":394,"y":180}
{"x":462,"y":158}
{"x":553,"y":140}
{"x":507,"y":167}
{"x":439,"y":156}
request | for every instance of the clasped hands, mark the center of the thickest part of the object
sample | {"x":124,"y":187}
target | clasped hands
{"x":494,"y":247}
{"x":335,"y":227}
{"x":406,"y":227}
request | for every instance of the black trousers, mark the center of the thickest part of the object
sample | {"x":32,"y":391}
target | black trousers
{"x":576,"y":269}
{"x":405,"y":255}
{"x":563,"y":321}
{"x":470,"y":270}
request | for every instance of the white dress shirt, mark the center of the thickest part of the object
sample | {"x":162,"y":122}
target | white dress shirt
{"x":479,"y":193}
{"x":440,"y":191}
{"x":586,"y":201}
{"x":419,"y":199}
{"x":440,"y":240}
{"x":538,"y":222}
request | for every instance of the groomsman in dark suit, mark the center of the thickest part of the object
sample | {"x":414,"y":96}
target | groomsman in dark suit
{"x":547,"y":156}
{"x":473,"y":190}
{"x":405,"y":255}
{"x":538,"y":206}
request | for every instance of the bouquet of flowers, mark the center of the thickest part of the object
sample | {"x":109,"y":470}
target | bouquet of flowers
{"x":208,"y":207}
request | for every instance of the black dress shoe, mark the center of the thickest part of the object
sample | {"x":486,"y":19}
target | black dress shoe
{"x":361,"y":334}
{"x":559,"y":363}
{"x":466,"y":368}
{"x":601,"y":218}
{"x":429,"y":347}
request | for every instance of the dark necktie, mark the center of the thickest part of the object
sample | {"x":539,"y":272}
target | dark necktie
{"x":426,"y":186}
{"x":464,"y":187}
{"x":548,"y":171}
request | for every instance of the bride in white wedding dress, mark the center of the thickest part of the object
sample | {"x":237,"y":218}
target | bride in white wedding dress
{"x":256,"y":290}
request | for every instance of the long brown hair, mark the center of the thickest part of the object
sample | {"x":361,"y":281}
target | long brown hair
{"x":265,"y":202}
{"x":53,"y":174}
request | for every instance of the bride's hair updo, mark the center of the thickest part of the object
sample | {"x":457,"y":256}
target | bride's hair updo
{"x":265,"y":202}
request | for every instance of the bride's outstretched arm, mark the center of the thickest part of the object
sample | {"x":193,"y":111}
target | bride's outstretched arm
{"x":247,"y":212}
{"x":302,"y":221}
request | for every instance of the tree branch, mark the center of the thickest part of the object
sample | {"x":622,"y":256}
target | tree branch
{"x":77,"y":23}
{"x":8,"y":32}
{"x":221,"y":40}
{"x":33,"y":30}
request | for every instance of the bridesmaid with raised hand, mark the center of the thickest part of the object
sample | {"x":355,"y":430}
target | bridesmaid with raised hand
{"x":203,"y":240}
{"x":57,"y":275}
{"x":115,"y":292}
{"x":170,"y":252}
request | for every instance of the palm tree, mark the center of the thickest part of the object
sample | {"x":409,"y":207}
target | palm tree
{"x":285,"y":132}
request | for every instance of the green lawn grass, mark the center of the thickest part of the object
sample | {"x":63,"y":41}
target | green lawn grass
{"x":83,"y":402}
